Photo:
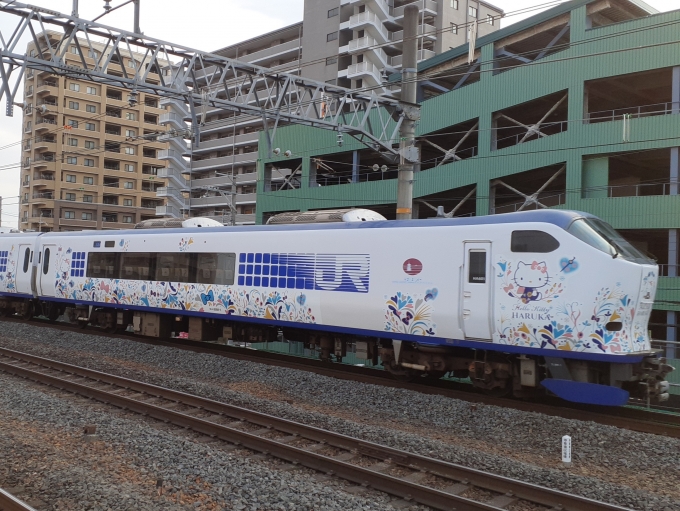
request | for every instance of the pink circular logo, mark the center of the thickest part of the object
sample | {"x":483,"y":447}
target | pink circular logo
{"x":413,"y":266}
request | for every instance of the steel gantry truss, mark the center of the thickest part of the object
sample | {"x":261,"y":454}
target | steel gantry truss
{"x":201,"y":79}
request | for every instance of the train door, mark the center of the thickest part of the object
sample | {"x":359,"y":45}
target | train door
{"x":476,"y":284}
{"x":46,"y":272}
{"x":24,"y":263}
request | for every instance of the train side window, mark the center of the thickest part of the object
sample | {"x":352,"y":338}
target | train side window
{"x":215,"y":269}
{"x":173,"y":267}
{"x":477,"y":269}
{"x":27,"y":257}
{"x":102,"y":265}
{"x":137,"y":266}
{"x":46,"y":261}
{"x":533,"y":241}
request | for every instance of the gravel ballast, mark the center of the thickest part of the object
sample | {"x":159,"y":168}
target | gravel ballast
{"x":632,"y":469}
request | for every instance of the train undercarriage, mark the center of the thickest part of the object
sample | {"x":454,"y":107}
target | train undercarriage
{"x":491,"y":372}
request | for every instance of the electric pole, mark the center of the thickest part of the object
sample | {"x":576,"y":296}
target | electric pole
{"x":408,"y":152}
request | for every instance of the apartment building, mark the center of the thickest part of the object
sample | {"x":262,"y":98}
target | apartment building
{"x":90,"y":157}
{"x":216,"y":178}
{"x":358,"y":43}
{"x":351,"y":43}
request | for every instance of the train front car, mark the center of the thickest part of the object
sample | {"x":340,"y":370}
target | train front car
{"x":583,"y":295}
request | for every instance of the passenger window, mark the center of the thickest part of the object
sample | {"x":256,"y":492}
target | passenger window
{"x":477,"y":270}
{"x":136,"y":266}
{"x":533,"y":241}
{"x":173,"y":267}
{"x":46,"y":261}
{"x":216,"y":269}
{"x":102,"y":265}
{"x":27,"y":256}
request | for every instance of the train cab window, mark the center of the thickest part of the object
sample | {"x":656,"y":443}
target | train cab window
{"x":477,"y":269}
{"x":533,"y":241}
{"x":46,"y":261}
{"x":215,"y":269}
{"x":173,"y":267}
{"x":102,"y":265}
{"x":136,"y":266}
{"x":27,"y":257}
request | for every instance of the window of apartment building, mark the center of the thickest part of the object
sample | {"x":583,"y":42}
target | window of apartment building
{"x":74,"y":50}
{"x":89,"y":162}
{"x":72,"y":160}
{"x":69,"y":214}
{"x":73,"y":105}
{"x":92,"y":54}
{"x":472,"y":11}
{"x":29,"y":124}
{"x":89,"y":126}
{"x":73,"y":142}
{"x":33,"y":53}
{"x":29,"y":91}
{"x":454,"y":28}
{"x":454,"y":4}
{"x":129,"y":167}
{"x":130,"y":116}
{"x":73,"y":123}
{"x":129,"y":150}
{"x":74,"y":87}
{"x":127,"y":202}
{"x":87,"y":198}
{"x":489,"y":19}
{"x":70,"y":196}
{"x":331,"y":60}
{"x":91,"y":109}
{"x":127,"y":219}
{"x":88,"y":180}
{"x":333,"y":12}
{"x":130,"y":133}
{"x":331,"y":37}
{"x":70,"y":178}
{"x":92,"y":90}
{"x":89,"y":144}
{"x":86,"y":216}
{"x":129,"y":185}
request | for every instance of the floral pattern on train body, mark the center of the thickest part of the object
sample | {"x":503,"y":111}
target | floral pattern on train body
{"x":411,"y":314}
{"x":545,"y":317}
{"x":8,"y":278}
{"x":272,"y":305}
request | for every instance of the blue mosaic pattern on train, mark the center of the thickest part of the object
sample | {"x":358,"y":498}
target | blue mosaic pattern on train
{"x":322,"y":272}
{"x":78,"y":264}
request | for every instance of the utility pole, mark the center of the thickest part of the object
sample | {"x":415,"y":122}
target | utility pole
{"x":408,"y":152}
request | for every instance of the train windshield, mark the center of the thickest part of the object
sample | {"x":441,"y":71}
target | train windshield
{"x":604,"y":237}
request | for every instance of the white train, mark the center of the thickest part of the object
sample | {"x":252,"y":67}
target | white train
{"x":520,"y":303}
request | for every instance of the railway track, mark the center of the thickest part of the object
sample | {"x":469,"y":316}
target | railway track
{"x":664,"y":423}
{"x":415,"y":478}
{"x":9,"y":502}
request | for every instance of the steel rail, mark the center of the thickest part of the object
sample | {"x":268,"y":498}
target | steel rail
{"x":88,"y":383}
{"x":9,"y":502}
{"x":634,"y":419}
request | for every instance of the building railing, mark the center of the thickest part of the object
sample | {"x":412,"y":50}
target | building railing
{"x":46,"y":177}
{"x":114,"y":113}
{"x":552,"y":128}
{"x":370,"y":17}
{"x":345,"y":178}
{"x":111,"y":166}
{"x":45,"y":195}
{"x":635,"y":112}
{"x":632,"y":190}
{"x":48,"y":83}
{"x":365,"y":67}
{"x":112,"y":185}
{"x":557,"y":199}
{"x":462,"y":153}
{"x":112,"y":132}
{"x":46,"y":120}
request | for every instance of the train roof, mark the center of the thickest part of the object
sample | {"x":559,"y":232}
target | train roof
{"x":560,"y":218}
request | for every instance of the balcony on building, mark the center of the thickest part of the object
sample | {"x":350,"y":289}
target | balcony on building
{"x":45,"y":143}
{"x":168,"y":211}
{"x":110,"y":200}
{"x":111,"y":165}
{"x":42,"y":179}
{"x":114,"y":94}
{"x":426,"y":7}
{"x":112,"y":129}
{"x":45,"y":123}
{"x":50,"y":87}
{"x":176,"y":120}
{"x":150,"y":119}
{"x":222,"y":161}
{"x":111,"y":147}
{"x":111,"y":182}
{"x":114,"y":112}
{"x":173,"y":175}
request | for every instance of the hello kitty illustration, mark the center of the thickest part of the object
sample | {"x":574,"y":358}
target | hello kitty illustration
{"x":529,"y":278}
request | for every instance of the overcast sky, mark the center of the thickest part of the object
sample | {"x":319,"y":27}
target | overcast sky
{"x":201,"y":24}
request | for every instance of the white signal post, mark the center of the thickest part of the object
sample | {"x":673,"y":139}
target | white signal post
{"x":566,"y":450}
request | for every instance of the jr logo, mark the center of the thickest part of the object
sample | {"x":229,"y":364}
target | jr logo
{"x":342,"y":272}
{"x":324,"y":272}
